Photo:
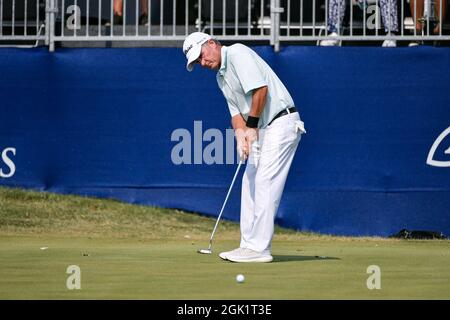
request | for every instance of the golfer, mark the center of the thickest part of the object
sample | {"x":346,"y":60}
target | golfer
{"x":267,"y":128}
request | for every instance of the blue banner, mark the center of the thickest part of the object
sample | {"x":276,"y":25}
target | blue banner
{"x":133,"y":124}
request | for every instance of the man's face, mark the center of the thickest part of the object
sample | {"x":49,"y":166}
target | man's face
{"x":210,"y":56}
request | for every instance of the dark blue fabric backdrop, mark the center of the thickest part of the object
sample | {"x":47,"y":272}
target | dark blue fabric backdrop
{"x":99,"y":122}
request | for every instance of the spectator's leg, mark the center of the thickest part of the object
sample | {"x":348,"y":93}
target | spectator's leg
{"x":336,"y":12}
{"x":417,"y":13}
{"x":389,"y":15}
{"x":439,"y":15}
{"x":118,"y":7}
{"x":143,"y":17}
{"x":144,"y":7}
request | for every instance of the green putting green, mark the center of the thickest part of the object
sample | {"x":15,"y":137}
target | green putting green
{"x":134,"y":252}
{"x":155,"y":269}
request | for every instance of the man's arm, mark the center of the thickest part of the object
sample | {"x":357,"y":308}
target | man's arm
{"x":258,"y":101}
{"x":238,"y":123}
{"x":245,"y":136}
{"x":239,"y":127}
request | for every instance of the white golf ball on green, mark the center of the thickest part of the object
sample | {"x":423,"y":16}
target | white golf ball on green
{"x":240,"y":278}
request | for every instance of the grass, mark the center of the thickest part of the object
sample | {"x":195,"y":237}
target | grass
{"x":136,"y":252}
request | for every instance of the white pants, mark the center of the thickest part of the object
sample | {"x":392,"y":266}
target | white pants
{"x":264,"y":179}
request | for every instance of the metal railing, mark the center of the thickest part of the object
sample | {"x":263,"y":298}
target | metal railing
{"x":21,"y":22}
{"x":365,"y":20}
{"x":161,"y":22}
{"x":158,"y":21}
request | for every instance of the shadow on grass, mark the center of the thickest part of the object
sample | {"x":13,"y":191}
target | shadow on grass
{"x":289,"y":258}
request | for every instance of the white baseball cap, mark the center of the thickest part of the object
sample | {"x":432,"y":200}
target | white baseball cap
{"x":192,"y":47}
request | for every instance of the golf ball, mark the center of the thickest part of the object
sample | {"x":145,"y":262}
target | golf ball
{"x":240,"y":278}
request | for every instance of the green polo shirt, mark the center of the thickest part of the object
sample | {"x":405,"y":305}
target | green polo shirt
{"x":243,"y":71}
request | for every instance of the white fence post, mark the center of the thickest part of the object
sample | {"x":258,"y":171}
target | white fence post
{"x":275,"y":12}
{"x":51,"y":10}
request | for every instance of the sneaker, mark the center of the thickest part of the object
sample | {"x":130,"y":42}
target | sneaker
{"x":330,"y":43}
{"x":389,"y":43}
{"x":414,"y":44}
{"x":143,"y":19}
{"x":118,"y":20}
{"x":249,"y":255}
{"x":224,"y":255}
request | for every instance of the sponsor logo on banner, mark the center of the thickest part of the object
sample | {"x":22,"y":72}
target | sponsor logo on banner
{"x":219,"y":149}
{"x":7,"y":166}
{"x":438,"y":145}
{"x":212,"y":146}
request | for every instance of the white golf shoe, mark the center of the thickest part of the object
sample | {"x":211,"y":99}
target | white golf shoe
{"x":248,"y":255}
{"x":224,"y":255}
{"x":331,"y":42}
{"x":389,"y":43}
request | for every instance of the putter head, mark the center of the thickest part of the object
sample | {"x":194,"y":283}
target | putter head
{"x":204,"y":251}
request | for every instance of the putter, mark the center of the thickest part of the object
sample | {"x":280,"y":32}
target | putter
{"x":209,"y":250}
